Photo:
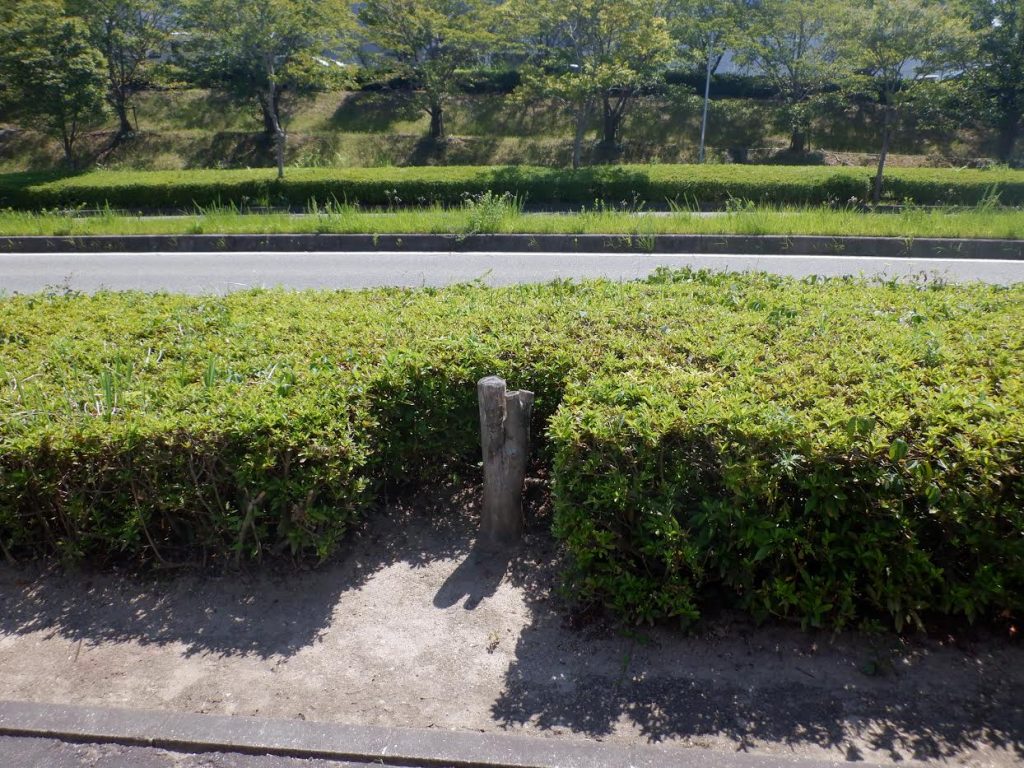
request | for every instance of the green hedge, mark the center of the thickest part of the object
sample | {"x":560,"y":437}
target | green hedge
{"x":830,"y":452}
{"x":629,"y":185}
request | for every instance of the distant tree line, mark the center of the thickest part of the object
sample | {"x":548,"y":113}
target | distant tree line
{"x":65,"y":63}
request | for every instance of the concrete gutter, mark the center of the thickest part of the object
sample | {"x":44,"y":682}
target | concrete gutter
{"x":885,"y":247}
{"x":359,"y":744}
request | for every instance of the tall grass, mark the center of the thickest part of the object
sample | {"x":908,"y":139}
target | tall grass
{"x":490,"y":213}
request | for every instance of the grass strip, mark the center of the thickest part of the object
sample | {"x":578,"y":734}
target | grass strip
{"x":506,"y":217}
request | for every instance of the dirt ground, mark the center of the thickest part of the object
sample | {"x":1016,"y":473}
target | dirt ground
{"x":411,"y":626}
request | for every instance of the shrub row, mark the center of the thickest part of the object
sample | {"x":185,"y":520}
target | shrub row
{"x":630,"y":185}
{"x":830,"y":452}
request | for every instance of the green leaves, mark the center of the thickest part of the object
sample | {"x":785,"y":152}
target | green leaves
{"x":898,"y":450}
{"x":427,"y":40}
{"x":53,"y":73}
{"x":787,"y":504}
{"x":650,"y":184}
{"x":590,"y":55}
{"x":701,"y":449}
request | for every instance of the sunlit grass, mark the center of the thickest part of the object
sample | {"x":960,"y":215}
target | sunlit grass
{"x":494,"y":214}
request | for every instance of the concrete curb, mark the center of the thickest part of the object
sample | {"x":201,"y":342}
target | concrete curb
{"x":885,"y":247}
{"x":360,"y":744}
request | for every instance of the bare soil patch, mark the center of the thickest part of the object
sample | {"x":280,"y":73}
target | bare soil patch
{"x":410,"y":625}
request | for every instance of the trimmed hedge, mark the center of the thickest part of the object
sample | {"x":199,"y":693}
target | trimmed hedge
{"x":821,"y":452}
{"x":629,"y":185}
{"x":831,"y":452}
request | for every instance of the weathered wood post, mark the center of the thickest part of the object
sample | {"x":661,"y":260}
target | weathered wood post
{"x":505,"y":440}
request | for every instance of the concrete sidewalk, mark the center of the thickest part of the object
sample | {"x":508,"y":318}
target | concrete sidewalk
{"x":355,"y":745}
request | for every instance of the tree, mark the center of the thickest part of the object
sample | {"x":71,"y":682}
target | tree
{"x":787,"y":41}
{"x":261,"y":50}
{"x":999,"y":74}
{"x":897,"y":46}
{"x":54,"y":77}
{"x":703,"y":30}
{"x":428,"y":40}
{"x":592,"y":55}
{"x":126,"y":32}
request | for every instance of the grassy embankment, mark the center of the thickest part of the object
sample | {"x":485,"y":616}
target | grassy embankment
{"x":199,"y":129}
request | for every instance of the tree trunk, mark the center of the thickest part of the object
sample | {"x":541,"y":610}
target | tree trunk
{"x":279,"y":142}
{"x":68,"y":142}
{"x":437,"y":131}
{"x":612,"y":118}
{"x":121,"y":110}
{"x":876,"y":193}
{"x":582,"y":119}
{"x":798,"y":141}
{"x":272,"y":125}
{"x":1008,"y":138}
{"x":271,"y":103}
{"x":268,"y":119}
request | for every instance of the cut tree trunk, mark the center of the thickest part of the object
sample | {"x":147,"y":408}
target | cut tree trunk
{"x":505,"y":442}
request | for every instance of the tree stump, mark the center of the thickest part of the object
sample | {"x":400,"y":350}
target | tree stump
{"x":505,"y":440}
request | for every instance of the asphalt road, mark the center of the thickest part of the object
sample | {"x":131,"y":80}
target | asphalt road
{"x":224,"y":272}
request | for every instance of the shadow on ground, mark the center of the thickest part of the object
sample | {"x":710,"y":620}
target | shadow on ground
{"x":273,"y":611}
{"x":731,"y":683}
{"x":728,"y":684}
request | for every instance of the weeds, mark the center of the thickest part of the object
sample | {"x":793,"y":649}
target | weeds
{"x":489,"y":212}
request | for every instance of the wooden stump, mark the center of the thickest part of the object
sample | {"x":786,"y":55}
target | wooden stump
{"x":505,"y":440}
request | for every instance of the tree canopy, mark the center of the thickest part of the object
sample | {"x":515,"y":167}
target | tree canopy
{"x":998,"y":74}
{"x":261,"y":50}
{"x":593,"y":55}
{"x":427,"y":40}
{"x":52,"y":73}
{"x":895,"y":46}
{"x":126,"y":32}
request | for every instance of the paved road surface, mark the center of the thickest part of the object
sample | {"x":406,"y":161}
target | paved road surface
{"x":50,"y":753}
{"x":224,"y":272}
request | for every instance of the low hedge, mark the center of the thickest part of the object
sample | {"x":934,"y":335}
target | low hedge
{"x":831,"y":452}
{"x":626,"y":185}
{"x":823,"y":453}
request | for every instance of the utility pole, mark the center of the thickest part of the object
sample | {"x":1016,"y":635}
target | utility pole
{"x":707,"y":98}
